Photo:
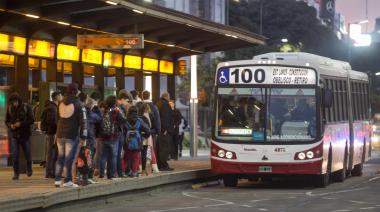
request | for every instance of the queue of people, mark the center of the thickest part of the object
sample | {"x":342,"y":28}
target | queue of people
{"x":124,"y":136}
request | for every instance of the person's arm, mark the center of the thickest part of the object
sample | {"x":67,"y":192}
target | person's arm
{"x":29,"y":117}
{"x":83,"y":122}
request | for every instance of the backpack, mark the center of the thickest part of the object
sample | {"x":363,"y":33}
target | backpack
{"x":133,"y":138}
{"x":108,"y":124}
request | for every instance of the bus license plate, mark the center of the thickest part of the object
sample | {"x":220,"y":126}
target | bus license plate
{"x":265,"y":168}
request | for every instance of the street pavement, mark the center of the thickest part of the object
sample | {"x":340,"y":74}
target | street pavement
{"x":283,"y":195}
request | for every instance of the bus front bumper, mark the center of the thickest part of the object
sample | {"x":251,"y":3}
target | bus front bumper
{"x":231,"y":167}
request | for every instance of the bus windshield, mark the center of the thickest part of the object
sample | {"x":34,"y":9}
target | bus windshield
{"x":266,"y":114}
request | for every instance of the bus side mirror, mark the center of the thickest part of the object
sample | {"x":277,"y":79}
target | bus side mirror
{"x":327,"y":97}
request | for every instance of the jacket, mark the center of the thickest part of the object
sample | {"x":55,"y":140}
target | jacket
{"x":23,"y":114}
{"x":155,"y":118}
{"x":166,"y":116}
{"x":144,"y":128}
{"x":72,"y":119}
{"x":180,"y":122}
{"x":51,"y":119}
{"x":119,"y":120}
{"x":93,"y":119}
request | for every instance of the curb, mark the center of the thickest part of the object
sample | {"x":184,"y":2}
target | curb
{"x":98,"y":190}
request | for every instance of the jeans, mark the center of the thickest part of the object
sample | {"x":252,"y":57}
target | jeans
{"x":109,"y":155}
{"x":118,"y":159}
{"x":25,"y":145}
{"x":66,"y":154}
{"x":51,"y":155}
{"x":180,"y":143}
{"x":98,"y":153}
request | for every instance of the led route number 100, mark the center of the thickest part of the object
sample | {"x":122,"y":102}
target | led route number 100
{"x":247,"y":75}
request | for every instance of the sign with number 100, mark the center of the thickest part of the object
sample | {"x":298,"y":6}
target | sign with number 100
{"x":247,"y":75}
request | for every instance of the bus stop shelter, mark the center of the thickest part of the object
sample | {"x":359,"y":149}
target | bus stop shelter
{"x":38,"y":43}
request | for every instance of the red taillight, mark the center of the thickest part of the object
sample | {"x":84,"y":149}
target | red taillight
{"x":312,"y":153}
{"x":219,"y":152}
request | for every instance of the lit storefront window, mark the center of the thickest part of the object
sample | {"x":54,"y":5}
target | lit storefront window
{"x":166,"y":67}
{"x":131,"y":61}
{"x":41,"y":48}
{"x":92,"y":56}
{"x":33,"y":62}
{"x":12,"y":43}
{"x":150,"y":64}
{"x":112,"y":60}
{"x":6,"y":59}
{"x":67,"y":52}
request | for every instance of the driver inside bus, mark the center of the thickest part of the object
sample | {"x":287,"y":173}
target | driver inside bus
{"x":304,"y":111}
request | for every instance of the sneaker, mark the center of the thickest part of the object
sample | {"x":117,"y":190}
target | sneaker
{"x":70,"y":184}
{"x":57,"y":183}
{"x":15,"y":177}
{"x":92,"y":181}
{"x":29,"y":173}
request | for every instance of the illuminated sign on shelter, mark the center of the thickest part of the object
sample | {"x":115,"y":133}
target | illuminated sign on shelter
{"x":166,"y":67}
{"x":112,"y":59}
{"x":92,"y":56}
{"x":103,"y":41}
{"x":41,"y":48}
{"x":67,"y":52}
{"x":150,"y":64}
{"x":131,"y":61}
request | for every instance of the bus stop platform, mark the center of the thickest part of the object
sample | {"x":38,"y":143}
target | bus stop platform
{"x":38,"y":193}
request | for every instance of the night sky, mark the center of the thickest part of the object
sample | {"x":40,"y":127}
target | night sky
{"x":355,"y":10}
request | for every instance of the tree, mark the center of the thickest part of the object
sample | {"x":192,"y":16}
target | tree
{"x":290,"y":19}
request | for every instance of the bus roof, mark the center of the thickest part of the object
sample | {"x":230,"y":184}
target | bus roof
{"x":324,"y":65}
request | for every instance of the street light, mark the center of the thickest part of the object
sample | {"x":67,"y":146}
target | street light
{"x":284,"y":40}
{"x":349,"y":36}
{"x":377,"y":74}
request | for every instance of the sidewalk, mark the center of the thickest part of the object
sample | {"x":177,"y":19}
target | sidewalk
{"x":36,"y":192}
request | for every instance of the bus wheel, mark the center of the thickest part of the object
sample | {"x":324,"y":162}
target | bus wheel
{"x":230,"y":180}
{"x":358,"y":169}
{"x":340,"y":175}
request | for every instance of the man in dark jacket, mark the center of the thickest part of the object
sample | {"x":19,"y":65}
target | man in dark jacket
{"x":167,"y":132}
{"x":72,"y":125}
{"x":49,"y":120}
{"x":19,"y":119}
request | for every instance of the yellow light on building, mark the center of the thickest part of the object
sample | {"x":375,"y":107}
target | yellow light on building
{"x":111,"y":71}
{"x":166,"y":67}
{"x":131,"y":61}
{"x":92,"y":56}
{"x":33,"y":62}
{"x":67,"y":67}
{"x":150,"y":64}
{"x":19,"y":45}
{"x":41,"y":48}
{"x":6,"y":59}
{"x":4,"y":41}
{"x":112,"y":59}
{"x":67,"y":52}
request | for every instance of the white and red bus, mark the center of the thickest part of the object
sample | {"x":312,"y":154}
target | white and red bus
{"x":290,"y":113}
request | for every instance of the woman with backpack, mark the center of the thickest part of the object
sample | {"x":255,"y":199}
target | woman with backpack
{"x":112,"y":122}
{"x":136,"y":130}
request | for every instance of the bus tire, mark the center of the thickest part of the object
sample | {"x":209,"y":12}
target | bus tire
{"x":230,"y":180}
{"x":323,"y":180}
{"x":340,"y":175}
{"x":358,"y":168}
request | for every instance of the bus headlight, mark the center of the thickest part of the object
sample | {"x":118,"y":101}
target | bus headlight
{"x":301,"y":155}
{"x":229,"y":155}
{"x":310,"y":154}
{"x":221,"y":153}
{"x":375,"y":139}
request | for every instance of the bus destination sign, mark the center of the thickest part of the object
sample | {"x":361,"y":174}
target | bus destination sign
{"x":266,"y":75}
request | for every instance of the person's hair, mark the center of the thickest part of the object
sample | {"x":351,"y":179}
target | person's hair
{"x":72,"y":89}
{"x":14,"y":97}
{"x":124,"y":94}
{"x":111,"y":101}
{"x":145,"y":95}
{"x":102,"y":104}
{"x":83,"y":97}
{"x":132,"y":111}
{"x":95,"y":95}
{"x":54,"y":95}
{"x":165,"y":95}
{"x":134,"y":94}
{"x":142,"y":108}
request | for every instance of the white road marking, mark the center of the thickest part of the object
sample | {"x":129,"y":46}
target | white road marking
{"x":205,"y":198}
{"x":335,"y":192}
{"x":367,"y":208}
{"x":296,"y":193}
{"x":174,"y":209}
{"x":341,"y":210}
{"x":329,"y":198}
{"x":374,"y":178}
{"x":292,"y":197}
{"x":247,"y":206}
{"x":259,"y":200}
{"x":263,"y":209}
{"x":358,"y":202}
